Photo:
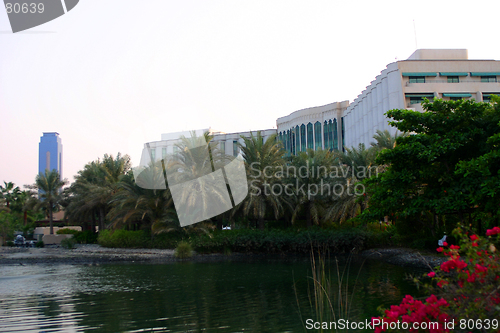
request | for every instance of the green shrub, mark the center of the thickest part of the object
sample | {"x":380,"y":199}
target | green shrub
{"x":123,"y":239}
{"x":183,"y":250}
{"x":39,"y":244}
{"x":282,"y":241}
{"x":85,"y":237}
{"x":338,"y":240}
{"x":68,"y":243}
{"x":9,"y":243}
{"x":67,"y":231}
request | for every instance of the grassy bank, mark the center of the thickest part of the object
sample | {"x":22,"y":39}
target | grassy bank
{"x":255,"y":241}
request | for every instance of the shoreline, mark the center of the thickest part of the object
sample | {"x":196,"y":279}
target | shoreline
{"x":88,"y":254}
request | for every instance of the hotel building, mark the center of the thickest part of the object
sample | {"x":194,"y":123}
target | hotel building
{"x":428,"y":73}
{"x":446,"y":74}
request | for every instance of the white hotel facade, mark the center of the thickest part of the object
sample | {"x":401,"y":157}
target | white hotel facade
{"x":428,"y":73}
{"x":446,"y":74}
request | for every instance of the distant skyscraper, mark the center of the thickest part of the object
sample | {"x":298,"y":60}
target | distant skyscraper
{"x":50,"y":153}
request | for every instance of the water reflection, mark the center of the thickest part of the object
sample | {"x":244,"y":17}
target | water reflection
{"x":254,"y":296}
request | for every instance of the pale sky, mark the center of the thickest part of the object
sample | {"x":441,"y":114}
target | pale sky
{"x":112,"y":74}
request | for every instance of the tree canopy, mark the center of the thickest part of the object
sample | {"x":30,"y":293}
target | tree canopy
{"x":444,"y":168}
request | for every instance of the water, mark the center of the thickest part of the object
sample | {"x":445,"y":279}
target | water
{"x":229,"y":296}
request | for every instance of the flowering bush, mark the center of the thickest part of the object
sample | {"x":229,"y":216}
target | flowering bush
{"x":467,"y":288}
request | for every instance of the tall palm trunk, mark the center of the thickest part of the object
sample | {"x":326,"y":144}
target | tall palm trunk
{"x":51,"y":220}
{"x":92,"y":222}
{"x":101,"y":219}
{"x":261,"y":223}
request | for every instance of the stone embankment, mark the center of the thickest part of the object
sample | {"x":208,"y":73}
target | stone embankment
{"x":93,"y":253}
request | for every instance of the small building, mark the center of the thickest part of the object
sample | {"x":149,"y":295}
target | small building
{"x":228,"y":142}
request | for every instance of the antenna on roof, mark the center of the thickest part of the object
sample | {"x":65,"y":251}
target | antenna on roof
{"x":415,"y":31}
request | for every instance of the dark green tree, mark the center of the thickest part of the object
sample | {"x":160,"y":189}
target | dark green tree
{"x":423,"y":183}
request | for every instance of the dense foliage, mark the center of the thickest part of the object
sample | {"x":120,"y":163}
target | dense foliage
{"x":254,"y":241}
{"x":445,"y":172}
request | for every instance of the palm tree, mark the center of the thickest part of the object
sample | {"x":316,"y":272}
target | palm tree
{"x":94,"y":188}
{"x":309,"y":175}
{"x":23,"y":203}
{"x":9,"y":192}
{"x":384,"y":140}
{"x":263,"y":161}
{"x":149,"y":208}
{"x":49,"y":186}
{"x":355,"y":165}
{"x":196,"y":179}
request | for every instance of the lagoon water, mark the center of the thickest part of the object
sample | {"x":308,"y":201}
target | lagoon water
{"x":257,"y":295}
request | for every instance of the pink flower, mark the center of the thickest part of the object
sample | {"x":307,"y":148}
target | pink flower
{"x":474,"y":244}
{"x":455,"y":247}
{"x":431,"y":274}
{"x":445,"y":244}
{"x":474,"y":238}
{"x":439,"y":249}
{"x":494,"y":231}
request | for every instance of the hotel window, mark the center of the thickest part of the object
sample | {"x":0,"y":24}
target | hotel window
{"x":176,"y":149}
{"x":325,"y":134}
{"x":419,"y":98}
{"x":489,"y":78}
{"x":223,"y":147}
{"x":417,"y":79}
{"x":292,"y":142}
{"x":487,"y":96}
{"x":297,"y":139}
{"x":453,"y":79}
{"x":317,"y":136}
{"x":153,"y":155}
{"x":303,"y":137}
{"x":342,"y":133}
{"x":335,"y":133}
{"x":235,"y":148}
{"x":416,"y":100}
{"x":310,"y":138}
{"x":164,"y":152}
{"x":331,"y":137}
{"x":287,"y":141}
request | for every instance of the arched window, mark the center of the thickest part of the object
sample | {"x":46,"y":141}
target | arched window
{"x":303,"y":137}
{"x":310,"y":136}
{"x":297,"y":139}
{"x":335,"y":135}
{"x":343,"y":133}
{"x":325,"y":134}
{"x":330,"y":135}
{"x":317,"y":136}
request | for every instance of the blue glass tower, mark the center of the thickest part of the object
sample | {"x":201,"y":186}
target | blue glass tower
{"x":50,"y":153}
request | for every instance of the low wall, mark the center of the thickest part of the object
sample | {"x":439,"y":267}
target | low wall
{"x":54,"y":239}
{"x":43,"y":231}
